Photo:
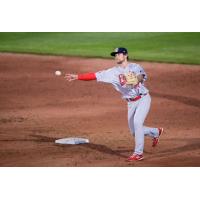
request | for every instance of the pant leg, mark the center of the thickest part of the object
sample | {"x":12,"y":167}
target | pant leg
{"x":152,"y":132}
{"x":141,"y":112}
{"x":131,"y":113}
{"x":148,"y":131}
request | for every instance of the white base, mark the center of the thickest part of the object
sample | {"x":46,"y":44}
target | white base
{"x":72,"y":141}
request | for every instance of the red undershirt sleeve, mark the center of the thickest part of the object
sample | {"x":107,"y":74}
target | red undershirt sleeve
{"x":87,"y":77}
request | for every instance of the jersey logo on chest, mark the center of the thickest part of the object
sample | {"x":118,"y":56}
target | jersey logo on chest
{"x":122,"y":79}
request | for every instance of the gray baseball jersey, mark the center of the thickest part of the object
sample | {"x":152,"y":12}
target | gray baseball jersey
{"x":115,"y":76}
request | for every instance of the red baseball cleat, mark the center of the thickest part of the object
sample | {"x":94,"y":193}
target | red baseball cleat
{"x":156,"y":140}
{"x":135,"y":157}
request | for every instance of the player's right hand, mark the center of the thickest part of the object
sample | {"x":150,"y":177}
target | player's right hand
{"x":71,"y":77}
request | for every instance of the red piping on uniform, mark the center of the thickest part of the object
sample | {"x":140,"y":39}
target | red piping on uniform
{"x":87,"y":77}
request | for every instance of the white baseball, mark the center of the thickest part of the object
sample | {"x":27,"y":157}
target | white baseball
{"x":58,"y":73}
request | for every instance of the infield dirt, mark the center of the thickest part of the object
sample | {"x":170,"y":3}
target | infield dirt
{"x":37,"y":107}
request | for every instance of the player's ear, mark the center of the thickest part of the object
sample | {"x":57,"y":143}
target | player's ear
{"x":126,"y":56}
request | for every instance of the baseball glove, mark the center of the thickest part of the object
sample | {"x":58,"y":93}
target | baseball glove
{"x":131,"y":79}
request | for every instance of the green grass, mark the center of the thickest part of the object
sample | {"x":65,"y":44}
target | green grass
{"x":163,"y":47}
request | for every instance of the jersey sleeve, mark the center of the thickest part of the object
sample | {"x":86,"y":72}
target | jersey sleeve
{"x":87,"y":77}
{"x":105,"y":76}
{"x":139,"y":70}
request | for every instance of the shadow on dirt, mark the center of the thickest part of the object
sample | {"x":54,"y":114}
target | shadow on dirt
{"x":185,"y":100}
{"x":103,"y":149}
{"x":192,"y":144}
{"x":39,"y":138}
{"x":42,"y":138}
{"x":97,"y":147}
{"x":12,"y":120}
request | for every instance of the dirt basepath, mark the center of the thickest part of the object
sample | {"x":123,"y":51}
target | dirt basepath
{"x":36,"y":108}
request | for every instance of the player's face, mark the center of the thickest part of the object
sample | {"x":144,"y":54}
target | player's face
{"x":120,"y":58}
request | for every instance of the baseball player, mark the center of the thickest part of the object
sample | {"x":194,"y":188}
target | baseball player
{"x":128,"y":79}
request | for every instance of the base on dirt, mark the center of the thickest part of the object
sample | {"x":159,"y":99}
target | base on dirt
{"x":72,"y":141}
